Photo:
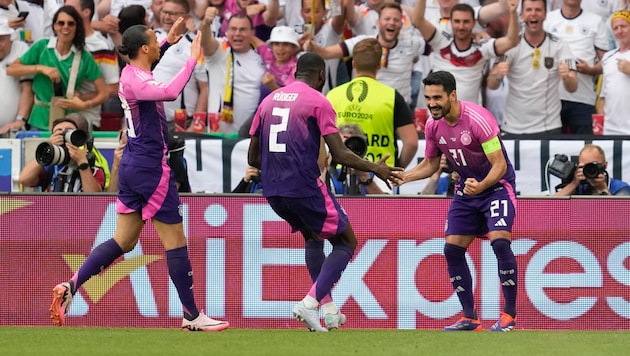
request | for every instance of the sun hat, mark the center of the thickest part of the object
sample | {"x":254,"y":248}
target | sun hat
{"x":285,"y":34}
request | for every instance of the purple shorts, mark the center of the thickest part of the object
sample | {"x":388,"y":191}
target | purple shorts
{"x":477,"y":215}
{"x":320,"y":214}
{"x":151,"y":192}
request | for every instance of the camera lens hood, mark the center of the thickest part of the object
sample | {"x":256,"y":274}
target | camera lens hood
{"x":357,"y":144}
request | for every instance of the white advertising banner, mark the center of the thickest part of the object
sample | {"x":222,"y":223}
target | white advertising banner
{"x":217,"y":166}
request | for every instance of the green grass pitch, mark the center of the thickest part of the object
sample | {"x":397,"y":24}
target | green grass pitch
{"x":120,"y":341}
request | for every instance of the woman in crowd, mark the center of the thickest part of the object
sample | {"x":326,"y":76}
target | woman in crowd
{"x":50,"y":61}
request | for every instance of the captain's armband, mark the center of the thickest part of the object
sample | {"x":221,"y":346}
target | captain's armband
{"x":491,"y":145}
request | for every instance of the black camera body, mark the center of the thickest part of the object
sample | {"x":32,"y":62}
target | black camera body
{"x":593,"y":169}
{"x":48,"y":154}
{"x":357,"y":144}
{"x":562,"y":167}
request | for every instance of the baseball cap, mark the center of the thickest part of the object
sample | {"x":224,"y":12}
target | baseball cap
{"x":283,"y":34}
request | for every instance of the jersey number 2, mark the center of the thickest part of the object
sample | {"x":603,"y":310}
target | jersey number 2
{"x":275,"y":129}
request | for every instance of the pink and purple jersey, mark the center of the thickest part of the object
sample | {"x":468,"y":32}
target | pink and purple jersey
{"x":461,"y":143}
{"x":145,"y":182}
{"x":142,"y":102}
{"x":289,"y":123}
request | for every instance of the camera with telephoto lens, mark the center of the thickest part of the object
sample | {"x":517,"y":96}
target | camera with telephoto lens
{"x":594,"y":169}
{"x":357,"y":144}
{"x":48,"y":154}
{"x":562,"y":167}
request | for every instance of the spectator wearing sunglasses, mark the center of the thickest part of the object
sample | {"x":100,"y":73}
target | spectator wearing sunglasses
{"x":535,"y":69}
{"x":50,"y":61}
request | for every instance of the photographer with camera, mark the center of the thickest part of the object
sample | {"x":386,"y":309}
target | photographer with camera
{"x":352,"y":181}
{"x":64,"y":163}
{"x":590,"y":176}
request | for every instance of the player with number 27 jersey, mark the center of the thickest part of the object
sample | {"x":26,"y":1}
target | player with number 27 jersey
{"x":289,"y":157}
{"x":484,"y":203}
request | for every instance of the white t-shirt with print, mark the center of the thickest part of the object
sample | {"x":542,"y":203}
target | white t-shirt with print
{"x":583,"y":34}
{"x":170,"y":64}
{"x":399,"y":62}
{"x":467,"y":65}
{"x":603,"y":8}
{"x":248,"y":71}
{"x":615,"y":89}
{"x":11,"y":88}
{"x":533,"y":102}
{"x":110,"y":70}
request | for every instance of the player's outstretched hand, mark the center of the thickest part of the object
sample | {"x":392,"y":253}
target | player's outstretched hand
{"x":385,"y":172}
{"x":399,"y":178}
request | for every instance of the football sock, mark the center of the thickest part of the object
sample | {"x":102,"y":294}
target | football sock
{"x":332,"y":268}
{"x":180,"y":271}
{"x":327,"y":300}
{"x":507,"y":273}
{"x":100,"y":258}
{"x":460,"y":278}
{"x":315,"y":257}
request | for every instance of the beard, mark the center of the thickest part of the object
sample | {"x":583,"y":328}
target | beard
{"x":442,"y":111}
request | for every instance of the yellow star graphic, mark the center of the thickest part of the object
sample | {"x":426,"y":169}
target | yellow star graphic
{"x":8,"y":205}
{"x":98,"y":285}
